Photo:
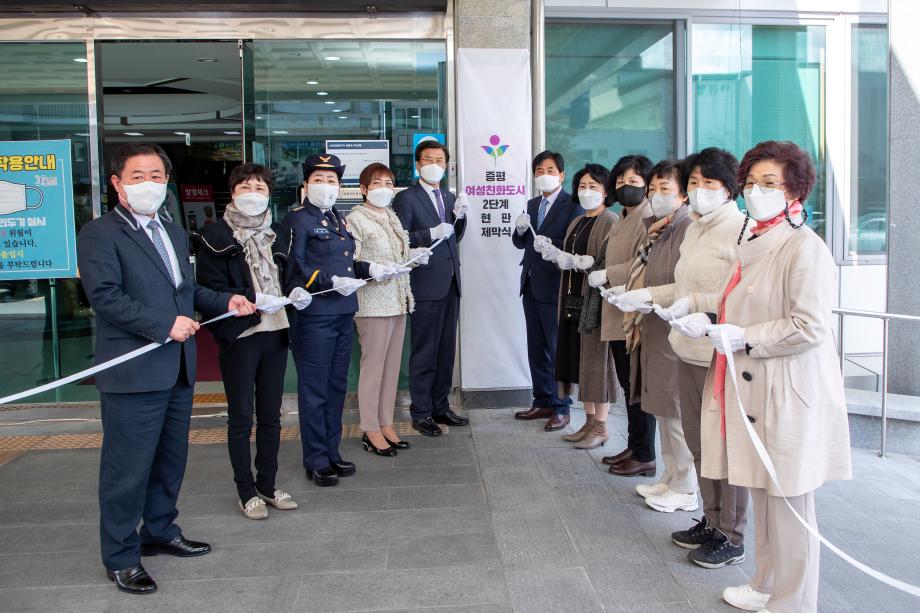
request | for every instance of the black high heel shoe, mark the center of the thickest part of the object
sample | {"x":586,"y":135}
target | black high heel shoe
{"x":389,"y":452}
{"x":399,"y":445}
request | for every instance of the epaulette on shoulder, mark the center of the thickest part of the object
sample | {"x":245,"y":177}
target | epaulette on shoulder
{"x":299,"y":207}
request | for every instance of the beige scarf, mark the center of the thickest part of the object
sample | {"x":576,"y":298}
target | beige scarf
{"x":632,"y":322}
{"x":256,"y":237}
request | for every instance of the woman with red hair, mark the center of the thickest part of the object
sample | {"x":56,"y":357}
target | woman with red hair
{"x":775,"y":318}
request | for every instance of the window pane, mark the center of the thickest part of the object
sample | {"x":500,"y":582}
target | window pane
{"x":43,"y":96}
{"x":757,"y":83}
{"x":869,"y":187}
{"x":609,"y":91}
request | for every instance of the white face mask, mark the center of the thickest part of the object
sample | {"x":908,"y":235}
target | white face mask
{"x":431,"y":173}
{"x":764,"y":206}
{"x":590,"y":199}
{"x":252,"y":203}
{"x":322,"y":195}
{"x":145,"y":198}
{"x":13,"y":197}
{"x":705,"y":201}
{"x":664,"y":204}
{"x":380,"y":197}
{"x":546,"y":183}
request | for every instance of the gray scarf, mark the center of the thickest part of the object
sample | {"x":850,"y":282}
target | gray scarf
{"x":256,"y":237}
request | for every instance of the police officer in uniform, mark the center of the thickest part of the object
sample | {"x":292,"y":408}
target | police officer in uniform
{"x":323,"y":250}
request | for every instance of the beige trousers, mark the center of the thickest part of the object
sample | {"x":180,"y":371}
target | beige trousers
{"x":679,"y":472}
{"x":786,"y":554}
{"x":381,"y":340}
{"x":725,"y":506}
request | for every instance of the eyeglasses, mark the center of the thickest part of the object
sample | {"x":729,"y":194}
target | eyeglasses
{"x":765,"y":186}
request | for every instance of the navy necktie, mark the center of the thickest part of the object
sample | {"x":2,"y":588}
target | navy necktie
{"x":437,"y":196}
{"x":541,"y":214}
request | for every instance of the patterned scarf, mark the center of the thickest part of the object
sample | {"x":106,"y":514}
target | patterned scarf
{"x":632,"y":322}
{"x":256,"y":237}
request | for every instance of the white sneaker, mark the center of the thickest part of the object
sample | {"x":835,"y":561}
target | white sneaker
{"x":645,"y":490}
{"x":282,"y":500}
{"x":745,"y":597}
{"x":672,"y":501}
{"x":254,"y":508}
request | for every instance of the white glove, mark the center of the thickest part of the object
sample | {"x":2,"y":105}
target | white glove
{"x":677,"y":310}
{"x":522,"y":224}
{"x":383,"y":272}
{"x":735,"y":337}
{"x":461,"y":206}
{"x":422,"y":253}
{"x":636,"y":300}
{"x":442,"y":230}
{"x":541,"y":243}
{"x":583,"y":262}
{"x":347,"y":285}
{"x":693,"y":325}
{"x":611,"y":293}
{"x":551,"y":253}
{"x":269,"y":303}
{"x":597,"y":278}
{"x":300,"y":298}
{"x":565,"y":260}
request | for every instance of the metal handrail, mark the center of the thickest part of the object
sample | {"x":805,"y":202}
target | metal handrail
{"x":885,"y":317}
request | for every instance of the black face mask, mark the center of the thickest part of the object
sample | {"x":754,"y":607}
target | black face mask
{"x":630,"y":195}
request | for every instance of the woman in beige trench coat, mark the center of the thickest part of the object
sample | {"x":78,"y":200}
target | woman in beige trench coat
{"x":776,"y":313}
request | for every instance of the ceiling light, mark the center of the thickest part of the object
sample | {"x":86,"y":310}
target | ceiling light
{"x":312,"y":82}
{"x":231,"y":132}
{"x":279,"y":132}
{"x":82,"y":60}
{"x":207,"y":60}
{"x":343,"y":117}
{"x":81,"y":133}
{"x":134,"y":133}
{"x":322,"y":93}
{"x":258,"y":117}
{"x":332,"y":58}
{"x":330,"y":101}
{"x":413,"y":116}
{"x":336,"y":110}
{"x":181,"y":133}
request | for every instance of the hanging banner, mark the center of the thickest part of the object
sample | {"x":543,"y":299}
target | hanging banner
{"x":36,"y":210}
{"x":494,"y":137}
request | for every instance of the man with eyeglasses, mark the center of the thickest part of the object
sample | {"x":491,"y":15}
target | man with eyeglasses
{"x":429,"y":213}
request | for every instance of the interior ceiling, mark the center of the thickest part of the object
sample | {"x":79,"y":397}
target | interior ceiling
{"x":103,"y":7}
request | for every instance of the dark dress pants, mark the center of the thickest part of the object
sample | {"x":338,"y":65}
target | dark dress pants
{"x":433,"y":342}
{"x":144,"y":451}
{"x":322,"y":353}
{"x":542,"y":323}
{"x":254,"y":366}
{"x":640,"y":426}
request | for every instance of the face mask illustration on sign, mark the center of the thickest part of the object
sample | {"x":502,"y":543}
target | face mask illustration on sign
{"x":13,"y":198}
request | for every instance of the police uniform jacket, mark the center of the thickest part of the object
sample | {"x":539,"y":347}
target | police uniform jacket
{"x":320,"y":251}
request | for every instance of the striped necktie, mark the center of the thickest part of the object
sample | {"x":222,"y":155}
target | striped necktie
{"x":541,"y":214}
{"x":157,"y":239}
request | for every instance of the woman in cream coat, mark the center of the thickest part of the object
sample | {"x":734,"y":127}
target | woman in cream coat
{"x":382,"y":308}
{"x":707,"y":260}
{"x":776,"y":315}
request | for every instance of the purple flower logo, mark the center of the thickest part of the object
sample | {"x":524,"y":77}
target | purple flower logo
{"x":496,"y":150}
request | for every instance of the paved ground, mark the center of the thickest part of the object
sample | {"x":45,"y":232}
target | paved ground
{"x":497,"y":517}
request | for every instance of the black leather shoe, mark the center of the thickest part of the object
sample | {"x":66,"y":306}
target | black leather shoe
{"x":179,"y":546}
{"x":399,"y":444}
{"x":133,"y":580}
{"x":452,"y":419}
{"x":427,"y":427}
{"x":323,"y":478}
{"x":387,"y":452}
{"x":343,"y":468}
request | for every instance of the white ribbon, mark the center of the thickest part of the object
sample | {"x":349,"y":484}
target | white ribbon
{"x":83,"y":374}
{"x":771,"y":470}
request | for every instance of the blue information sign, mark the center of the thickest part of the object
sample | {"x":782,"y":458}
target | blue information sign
{"x":37,"y":238}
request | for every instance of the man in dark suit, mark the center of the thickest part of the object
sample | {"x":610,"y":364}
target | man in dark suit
{"x":135,"y":269}
{"x":549,"y":214}
{"x":429,"y":213}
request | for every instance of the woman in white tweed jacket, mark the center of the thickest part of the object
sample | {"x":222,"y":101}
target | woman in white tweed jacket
{"x":382,"y":309}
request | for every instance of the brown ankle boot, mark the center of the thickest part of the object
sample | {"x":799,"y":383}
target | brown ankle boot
{"x":597,"y":437}
{"x":581,"y":432}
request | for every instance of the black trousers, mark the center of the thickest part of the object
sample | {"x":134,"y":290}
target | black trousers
{"x":433,"y":341}
{"x":253,"y":366}
{"x":640,"y":426}
{"x":542,"y":322}
{"x":144,"y":450}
